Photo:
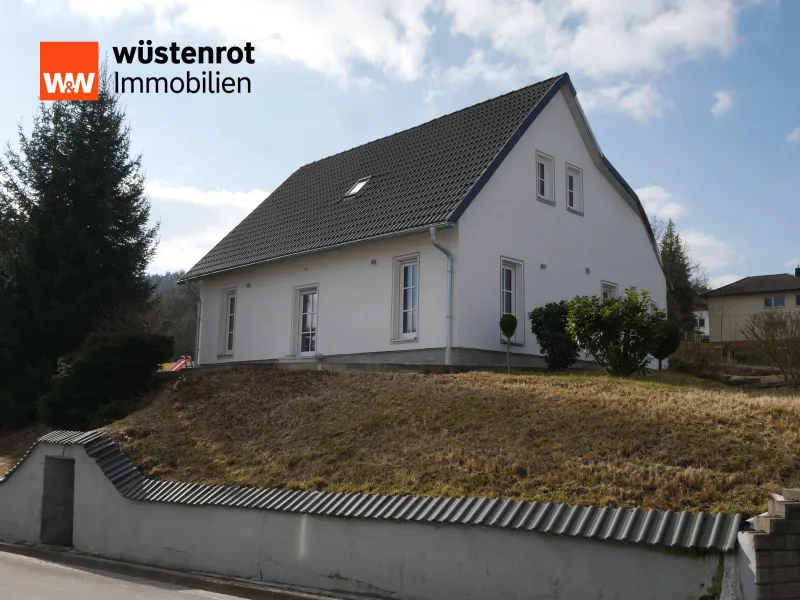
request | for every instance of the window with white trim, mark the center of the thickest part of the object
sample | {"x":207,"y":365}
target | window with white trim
{"x":512,"y":296}
{"x":574,"y":186}
{"x":545,"y":174}
{"x":797,"y":300}
{"x":307,"y":309}
{"x":228,"y":329}
{"x":405,"y":303}
{"x":775,"y":302}
{"x":608,"y":290}
{"x":357,"y":187}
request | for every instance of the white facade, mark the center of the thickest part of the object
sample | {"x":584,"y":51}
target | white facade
{"x":701,"y":325}
{"x":355,"y":302}
{"x":551,"y":254}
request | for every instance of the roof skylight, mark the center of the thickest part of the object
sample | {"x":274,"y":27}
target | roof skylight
{"x":359,"y":185}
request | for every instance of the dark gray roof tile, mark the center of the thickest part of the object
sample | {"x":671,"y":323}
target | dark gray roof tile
{"x":418,"y":178}
{"x":758,"y":284}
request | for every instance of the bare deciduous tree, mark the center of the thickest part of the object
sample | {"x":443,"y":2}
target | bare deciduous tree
{"x":776,"y":335}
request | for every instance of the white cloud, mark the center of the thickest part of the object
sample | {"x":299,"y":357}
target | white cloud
{"x":793,"y":136}
{"x":618,"y":45}
{"x":792,"y":263}
{"x":182,"y":252}
{"x":709,"y":250}
{"x":722,"y":280}
{"x":641,"y":102}
{"x":220,"y":198}
{"x":194,"y":220}
{"x":660,"y":203}
{"x":723,"y":103}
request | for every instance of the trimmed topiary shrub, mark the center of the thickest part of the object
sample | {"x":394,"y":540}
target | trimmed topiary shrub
{"x":549,"y":325}
{"x":508,"y":327}
{"x":96,"y":384}
{"x":668,"y":341}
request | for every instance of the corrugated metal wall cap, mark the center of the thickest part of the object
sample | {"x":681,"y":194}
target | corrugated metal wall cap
{"x":698,"y":531}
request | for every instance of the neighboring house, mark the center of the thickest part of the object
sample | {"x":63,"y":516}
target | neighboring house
{"x":730,"y":306}
{"x":701,"y":322}
{"x":408,"y":249}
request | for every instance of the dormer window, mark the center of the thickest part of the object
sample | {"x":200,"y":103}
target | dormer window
{"x":359,"y":185}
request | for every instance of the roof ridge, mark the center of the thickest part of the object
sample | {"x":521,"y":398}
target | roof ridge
{"x":424,"y":123}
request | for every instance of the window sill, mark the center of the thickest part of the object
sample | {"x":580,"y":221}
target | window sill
{"x":515,"y":344}
{"x":575,"y":212}
{"x":404,"y":340}
{"x":546,"y":200}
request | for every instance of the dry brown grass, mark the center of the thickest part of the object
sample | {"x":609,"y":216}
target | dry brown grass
{"x":14,"y":444}
{"x":584,"y":439}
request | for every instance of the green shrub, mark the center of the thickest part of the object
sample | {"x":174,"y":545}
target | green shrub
{"x":549,"y":325}
{"x":98,"y":381}
{"x":668,"y":341}
{"x":619,"y":333}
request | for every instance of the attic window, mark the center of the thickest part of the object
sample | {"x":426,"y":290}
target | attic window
{"x":359,"y":185}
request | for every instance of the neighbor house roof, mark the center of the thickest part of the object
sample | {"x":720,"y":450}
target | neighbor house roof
{"x":758,"y":284}
{"x":422,"y":177}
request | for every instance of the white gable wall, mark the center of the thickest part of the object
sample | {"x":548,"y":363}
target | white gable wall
{"x":355,"y":301}
{"x":506,"y":220}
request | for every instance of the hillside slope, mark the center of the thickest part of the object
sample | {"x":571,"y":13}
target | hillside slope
{"x":583,"y":439}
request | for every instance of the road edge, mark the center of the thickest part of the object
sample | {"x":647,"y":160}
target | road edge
{"x":208,"y":583}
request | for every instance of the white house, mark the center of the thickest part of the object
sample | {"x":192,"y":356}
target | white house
{"x":408,"y":249}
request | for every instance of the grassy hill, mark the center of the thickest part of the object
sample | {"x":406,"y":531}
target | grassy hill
{"x":670,"y":442}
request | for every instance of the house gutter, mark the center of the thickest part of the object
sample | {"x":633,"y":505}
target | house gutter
{"x":449,"y":322}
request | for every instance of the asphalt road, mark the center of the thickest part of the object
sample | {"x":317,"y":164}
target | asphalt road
{"x":23,"y":578}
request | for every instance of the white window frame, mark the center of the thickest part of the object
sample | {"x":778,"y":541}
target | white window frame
{"x":357,"y":187}
{"x":297,"y":327}
{"x":399,"y":288}
{"x":772,"y":301}
{"x":549,"y":196}
{"x":577,"y":192}
{"x":609,"y":286}
{"x":227,"y":333}
{"x":517,"y":268}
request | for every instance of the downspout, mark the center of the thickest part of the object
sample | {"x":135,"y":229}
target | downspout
{"x":199,"y":326}
{"x":449,"y":322}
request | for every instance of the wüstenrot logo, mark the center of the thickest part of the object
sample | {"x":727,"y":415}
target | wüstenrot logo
{"x":68,"y":70}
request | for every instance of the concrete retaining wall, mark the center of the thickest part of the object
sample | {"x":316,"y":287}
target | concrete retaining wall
{"x":380,"y":558}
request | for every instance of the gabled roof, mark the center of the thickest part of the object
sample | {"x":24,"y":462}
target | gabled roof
{"x":421,"y":177}
{"x":782,"y":282}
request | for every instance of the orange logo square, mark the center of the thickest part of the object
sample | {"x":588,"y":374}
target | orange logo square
{"x":68,"y":70}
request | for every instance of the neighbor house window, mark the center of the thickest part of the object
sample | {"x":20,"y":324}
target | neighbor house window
{"x":700,"y":323}
{"x":574,"y":189}
{"x":797,"y":300}
{"x":405,"y":321}
{"x":228,"y":322}
{"x":307,"y":309}
{"x":544,"y":177}
{"x":512,"y":300}
{"x":608,"y":290}
{"x":774,"y":302}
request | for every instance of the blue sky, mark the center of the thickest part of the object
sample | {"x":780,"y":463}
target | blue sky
{"x":696,"y":102}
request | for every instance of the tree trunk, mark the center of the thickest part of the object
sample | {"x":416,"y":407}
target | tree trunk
{"x":508,"y":355}
{"x":659,"y":364}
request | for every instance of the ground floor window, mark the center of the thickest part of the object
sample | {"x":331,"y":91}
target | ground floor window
{"x":405,"y":301}
{"x":608,"y":290}
{"x":307,"y":309}
{"x":512,"y":297}
{"x":228,"y":322}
